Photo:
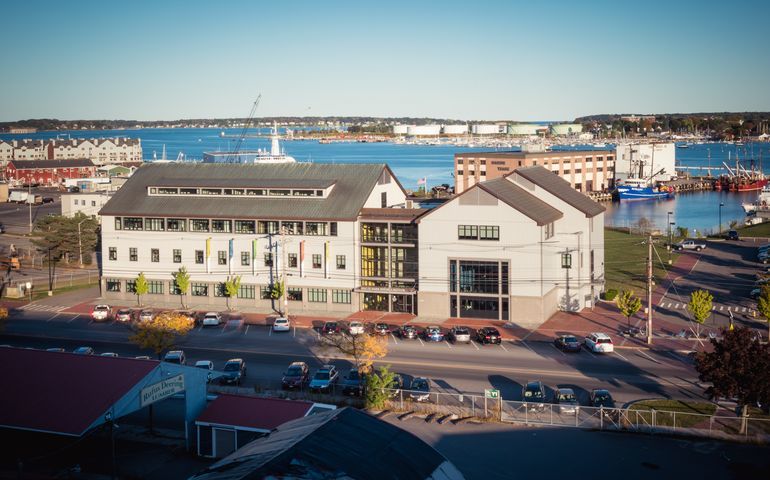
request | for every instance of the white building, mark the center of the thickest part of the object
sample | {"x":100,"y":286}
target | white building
{"x":99,"y":150}
{"x":423,"y":130}
{"x":566,"y":129}
{"x":454,"y":129}
{"x":645,"y":160}
{"x":526,"y":129}
{"x":85,"y":203}
{"x":401,"y":129}
{"x":489,"y":129}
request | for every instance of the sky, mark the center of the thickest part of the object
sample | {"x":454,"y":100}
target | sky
{"x":470,"y":59}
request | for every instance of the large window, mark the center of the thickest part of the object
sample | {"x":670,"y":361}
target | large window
{"x":173,"y":288}
{"x":403,"y":233}
{"x":199,"y":225}
{"x":245,"y":259}
{"x":316,"y":295}
{"x":132,"y":255}
{"x":265,"y":292}
{"x":130,"y":286}
{"x":154,"y":255}
{"x":294,"y":294}
{"x":220,"y":226}
{"x":219,"y":290}
{"x":340,"y":296}
{"x":199,"y":289}
{"x":489,"y":232}
{"x":341,"y":262}
{"x":247,"y":291}
{"x":177,"y":255}
{"x":222,"y":257}
{"x":316,"y":260}
{"x":113,"y":285}
{"x":267,"y":227}
{"x":154,"y":224}
{"x":315,"y":228}
{"x":467,"y":232}
{"x":292,"y":228}
{"x":199,"y":257}
{"x":374,"y":261}
{"x":245,"y":226}
{"x":155,"y":287}
{"x":374,"y":232}
{"x":176,"y":224}
{"x":113,"y":253}
{"x":292,"y":260}
{"x":132,"y":223}
{"x":479,"y":277}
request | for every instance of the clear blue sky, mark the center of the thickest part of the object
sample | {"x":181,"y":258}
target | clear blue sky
{"x":471,"y":59}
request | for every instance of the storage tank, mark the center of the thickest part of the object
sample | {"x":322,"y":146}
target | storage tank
{"x":400,"y":129}
{"x":455,"y":129}
{"x":524,"y":129}
{"x":423,"y":130}
{"x":566,"y":129}
{"x":486,"y":129}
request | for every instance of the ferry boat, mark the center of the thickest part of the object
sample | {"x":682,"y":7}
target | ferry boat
{"x":642,"y":189}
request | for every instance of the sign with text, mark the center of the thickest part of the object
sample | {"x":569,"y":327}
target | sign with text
{"x":491,"y":393}
{"x":164,"y":389}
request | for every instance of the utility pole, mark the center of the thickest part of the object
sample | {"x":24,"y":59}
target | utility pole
{"x":29,"y":194}
{"x":649,"y":290}
{"x":80,"y":244}
{"x":282,"y":233}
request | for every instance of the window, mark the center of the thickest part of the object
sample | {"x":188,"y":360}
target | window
{"x":340,"y":262}
{"x":488,"y":232}
{"x":118,"y":221}
{"x":130,"y":286}
{"x":219,"y":290}
{"x":549,"y":230}
{"x":247,"y":291}
{"x":113,"y":253}
{"x":155,"y":287}
{"x":154,"y":224}
{"x":265,"y":227}
{"x":93,"y":203}
{"x":384,"y":199}
{"x":221,"y":226}
{"x":245,"y":259}
{"x":154,"y":255}
{"x":315,"y":228}
{"x":294,"y":294}
{"x":168,"y":191}
{"x":173,"y":288}
{"x":113,"y":285}
{"x":132,"y":223}
{"x":199,"y":256}
{"x":292,"y":228}
{"x":177,"y":254}
{"x":340,"y":296}
{"x":316,"y":260}
{"x":280,"y":193}
{"x":132,"y":255}
{"x":211,"y":191}
{"x":199,"y":290}
{"x":292,"y":260}
{"x":316,"y":295}
{"x":222,"y":257}
{"x":176,"y":224}
{"x":333,"y":229}
{"x":467,"y":232}
{"x":269,"y":259}
{"x":459,"y":172}
{"x":233,"y":191}
{"x":245,"y":226}
{"x":198,"y":225}
{"x":265,"y":292}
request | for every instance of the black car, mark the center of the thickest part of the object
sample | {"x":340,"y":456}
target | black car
{"x":235,"y":371}
{"x":330,"y":328}
{"x":533,"y":394}
{"x":296,"y":376}
{"x":408,"y":331}
{"x":488,"y":335}
{"x":568,"y":343}
{"x":602,"y":398}
{"x":353,"y":383}
{"x":733,"y":235}
{"x":381,"y":329}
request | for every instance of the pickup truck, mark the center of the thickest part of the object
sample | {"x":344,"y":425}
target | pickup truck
{"x":690,"y":244}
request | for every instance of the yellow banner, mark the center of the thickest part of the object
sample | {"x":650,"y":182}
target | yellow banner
{"x":208,"y":247}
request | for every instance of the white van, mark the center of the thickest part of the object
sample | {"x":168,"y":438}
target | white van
{"x":599,"y":343}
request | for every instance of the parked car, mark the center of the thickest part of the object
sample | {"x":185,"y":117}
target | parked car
{"x":755,"y":293}
{"x":143,"y":357}
{"x":235,"y":371}
{"x":281,"y":324}
{"x":690,"y":244}
{"x":330,"y":328}
{"x":599,"y":342}
{"x":175,"y":356}
{"x":533,"y":396}
{"x":83,"y":351}
{"x":419,"y":389}
{"x":488,"y":335}
{"x":146,"y":315}
{"x":381,"y":329}
{"x":212,"y":319}
{"x":601,"y":398}
{"x":408,"y":331}
{"x":101,"y":312}
{"x":208,"y":366}
{"x":296,"y":376}
{"x":567,"y":343}
{"x":353,"y":383}
{"x":567,"y":401}
{"x":733,"y":235}
{"x":433,"y":333}
{"x":123,"y":315}
{"x":460,"y":334}
{"x":48,"y":199}
{"x":55,"y":349}
{"x":324,"y":379}
{"x":190,"y":316}
{"x":356,"y":328}
{"x":108,"y":354}
{"x":2,"y":228}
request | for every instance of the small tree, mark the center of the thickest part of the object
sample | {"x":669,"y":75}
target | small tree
{"x":700,"y":306}
{"x":763,"y":306}
{"x":377,"y":384}
{"x":628,"y":304}
{"x":733,"y":224}
{"x":182,"y":282}
{"x":141,"y":287}
{"x":162,"y":332}
{"x":232,"y":284}
{"x":738,"y":367}
{"x":682,"y":232}
{"x":364,"y":348}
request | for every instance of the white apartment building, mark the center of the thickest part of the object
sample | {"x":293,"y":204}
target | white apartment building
{"x":86,"y":203}
{"x":99,"y":150}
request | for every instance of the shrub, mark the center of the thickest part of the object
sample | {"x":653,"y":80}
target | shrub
{"x":610,"y":294}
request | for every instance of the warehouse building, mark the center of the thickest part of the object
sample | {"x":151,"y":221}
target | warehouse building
{"x":48,"y":172}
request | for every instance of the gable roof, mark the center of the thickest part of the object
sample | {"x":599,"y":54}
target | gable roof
{"x":63,"y":393}
{"x":253,"y":412}
{"x":60,"y":163}
{"x":560,"y":188}
{"x":342,"y":443}
{"x":352,"y":185}
{"x":521,"y":200}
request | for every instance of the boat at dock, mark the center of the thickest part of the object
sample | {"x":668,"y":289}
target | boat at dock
{"x":762,"y":202}
{"x":643,"y":189}
{"x":739,"y":179}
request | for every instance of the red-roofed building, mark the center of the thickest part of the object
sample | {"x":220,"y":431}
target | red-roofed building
{"x":232,"y":421}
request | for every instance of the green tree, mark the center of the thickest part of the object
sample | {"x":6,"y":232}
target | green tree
{"x":61,"y":236}
{"x":162,"y":332}
{"x":737,"y":367}
{"x":763,"y":306}
{"x":700,"y":306}
{"x":232,"y":284}
{"x":378,"y":383}
{"x":628,"y":304}
{"x":182,"y":282}
{"x":276,"y":291}
{"x":140,"y":287}
{"x":682,"y":232}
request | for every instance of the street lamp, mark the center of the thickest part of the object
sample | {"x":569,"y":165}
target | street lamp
{"x":29,"y":290}
{"x":668,"y":222}
{"x":80,"y":242}
{"x":720,"y":217}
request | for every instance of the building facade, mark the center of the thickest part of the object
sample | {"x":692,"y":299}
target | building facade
{"x":100,"y":150}
{"x":585,"y":170}
{"x":645,"y":160}
{"x":85,"y":203}
{"x":48,"y":172}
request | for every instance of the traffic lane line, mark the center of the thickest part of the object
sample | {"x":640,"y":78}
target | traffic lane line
{"x":528,"y":347}
{"x":474,"y":344}
{"x":554,"y":346}
{"x":246,"y":330}
{"x":54,"y":316}
{"x":394,"y":338}
{"x":641,"y":352}
{"x":619,"y":355}
{"x":502,"y":346}
{"x":73,"y":318}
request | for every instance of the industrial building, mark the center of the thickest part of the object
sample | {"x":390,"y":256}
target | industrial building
{"x":565,"y":129}
{"x":526,"y":129}
{"x":656,"y":161}
{"x":345,"y":239}
{"x":454,"y":129}
{"x":489,"y":129}
{"x":584,"y":170}
{"x":48,"y":172}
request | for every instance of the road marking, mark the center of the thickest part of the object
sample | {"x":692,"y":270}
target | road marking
{"x":502,"y":346}
{"x":528,"y":347}
{"x":744,"y":310}
{"x":474,"y":344}
{"x":554,"y":346}
{"x":447,"y":343}
{"x":668,"y":305}
{"x":270,"y":331}
{"x":713,"y":308}
{"x":721,"y":307}
{"x":54,"y":316}
{"x":421,"y":342}
{"x":677,"y":306}
{"x":619,"y":355}
{"x":73,"y":318}
{"x":641,"y":352}
{"x":247,"y":330}
{"x":394,"y":338}
{"x":295,"y":332}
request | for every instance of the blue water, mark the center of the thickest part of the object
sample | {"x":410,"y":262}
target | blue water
{"x":697,"y":211}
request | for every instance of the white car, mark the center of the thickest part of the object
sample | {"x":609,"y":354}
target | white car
{"x":599,"y":343}
{"x":212,"y":319}
{"x":356,"y":328}
{"x":101,"y":312}
{"x":281,"y":324}
{"x":146,"y":315}
{"x":108,"y":354}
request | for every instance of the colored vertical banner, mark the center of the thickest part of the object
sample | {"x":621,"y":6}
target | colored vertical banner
{"x":230,"y":260}
{"x":232,"y":252}
{"x":302,"y":258}
{"x":253,"y":257}
{"x":326,"y":259}
{"x":208,"y":255}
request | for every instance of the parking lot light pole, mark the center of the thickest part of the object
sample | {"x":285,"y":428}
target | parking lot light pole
{"x":668,"y":223}
{"x":720,"y":217}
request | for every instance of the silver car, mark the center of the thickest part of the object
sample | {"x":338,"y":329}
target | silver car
{"x":460,"y":334}
{"x":567,"y":401}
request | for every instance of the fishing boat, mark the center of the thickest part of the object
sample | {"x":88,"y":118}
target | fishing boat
{"x":642,"y":189}
{"x":739,"y":179}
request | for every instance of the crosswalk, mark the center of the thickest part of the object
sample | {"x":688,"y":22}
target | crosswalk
{"x":735,"y":309}
{"x":41,"y":307}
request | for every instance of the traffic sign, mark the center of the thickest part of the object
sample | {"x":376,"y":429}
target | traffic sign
{"x":491,"y":393}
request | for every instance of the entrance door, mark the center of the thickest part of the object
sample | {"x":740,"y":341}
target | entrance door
{"x":376,"y":301}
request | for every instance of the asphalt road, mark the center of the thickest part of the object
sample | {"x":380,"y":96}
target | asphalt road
{"x":15,"y":216}
{"x":628,"y":374}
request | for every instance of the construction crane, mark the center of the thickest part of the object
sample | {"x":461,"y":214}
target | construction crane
{"x":232,"y":156}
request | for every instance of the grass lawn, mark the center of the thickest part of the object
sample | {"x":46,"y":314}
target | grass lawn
{"x":685,"y":414}
{"x":760,"y":230}
{"x":625,"y":261}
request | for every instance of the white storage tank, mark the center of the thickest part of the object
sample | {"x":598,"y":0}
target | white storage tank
{"x":524,"y":129}
{"x":487,"y":129}
{"x":423,"y":130}
{"x":400,"y":129}
{"x":566,"y":129}
{"x":455,"y":129}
